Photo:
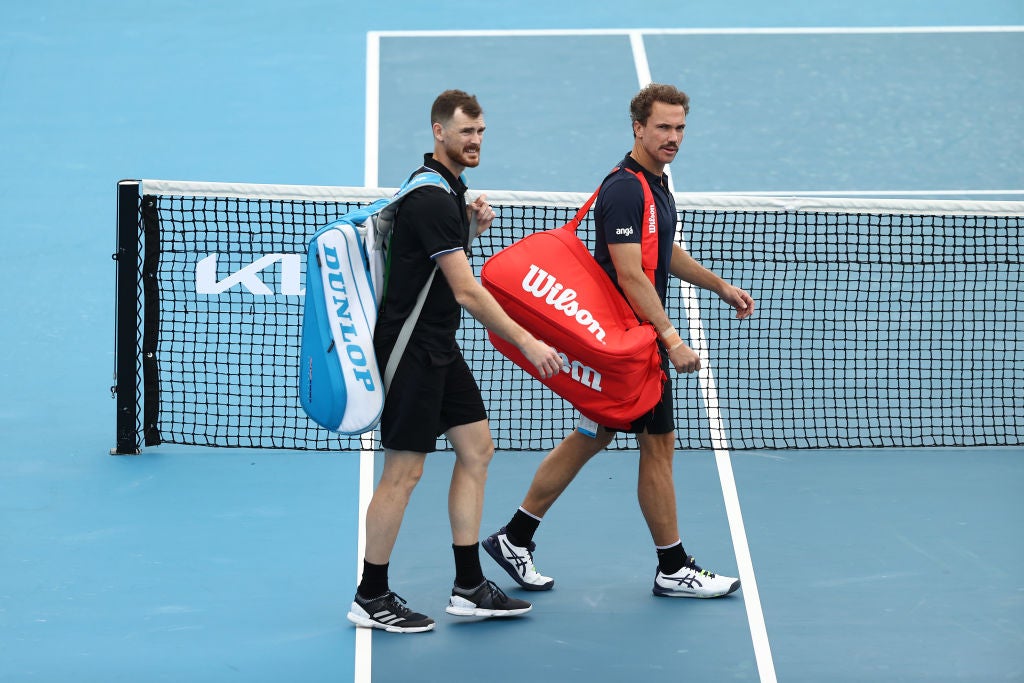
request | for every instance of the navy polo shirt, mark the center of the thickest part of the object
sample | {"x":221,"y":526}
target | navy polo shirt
{"x":619,"y":219}
{"x":430,"y":222}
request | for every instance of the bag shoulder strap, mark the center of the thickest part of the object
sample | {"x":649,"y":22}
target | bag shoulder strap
{"x":385,"y":221}
{"x":649,"y":228}
{"x":649,"y":235}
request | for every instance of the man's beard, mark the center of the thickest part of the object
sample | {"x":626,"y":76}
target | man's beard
{"x":460,"y":157}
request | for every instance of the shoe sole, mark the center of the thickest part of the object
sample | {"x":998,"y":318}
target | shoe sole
{"x":495,"y":553}
{"x":367,"y":622}
{"x":668,"y":593}
{"x":480,"y":612}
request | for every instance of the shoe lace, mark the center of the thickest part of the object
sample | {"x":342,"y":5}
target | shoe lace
{"x":396,"y":603}
{"x":692,"y":564}
{"x":529,"y":553}
{"x":497,"y":594}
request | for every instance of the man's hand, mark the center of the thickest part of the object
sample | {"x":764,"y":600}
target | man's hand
{"x":684,"y":359}
{"x":483,"y":212}
{"x":543,"y":357}
{"x":738,"y":299}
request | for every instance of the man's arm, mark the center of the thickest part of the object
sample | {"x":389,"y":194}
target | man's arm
{"x":471,"y":295}
{"x":640,"y":293}
{"x":644,"y":299}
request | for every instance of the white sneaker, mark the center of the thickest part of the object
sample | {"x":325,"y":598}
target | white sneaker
{"x":517,"y":560}
{"x":693,"y":582}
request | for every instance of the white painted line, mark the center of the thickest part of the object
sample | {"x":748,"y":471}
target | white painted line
{"x":709,"y":393}
{"x":808,"y":30}
{"x":751,"y":597}
{"x":643,"y":67}
{"x":372,"y":125}
{"x":364,"y":636}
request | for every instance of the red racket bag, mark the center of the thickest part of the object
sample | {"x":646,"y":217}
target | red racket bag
{"x":549,"y":283}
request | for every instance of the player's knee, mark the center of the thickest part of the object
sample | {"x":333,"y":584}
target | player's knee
{"x":480,"y":456}
{"x":588,"y":446}
{"x":402,"y":473}
{"x":602,"y":440}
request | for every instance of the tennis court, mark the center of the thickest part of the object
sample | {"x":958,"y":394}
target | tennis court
{"x":217,"y":564}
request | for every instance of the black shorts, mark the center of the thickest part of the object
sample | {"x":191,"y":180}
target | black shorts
{"x":660,"y":418}
{"x":430,"y":393}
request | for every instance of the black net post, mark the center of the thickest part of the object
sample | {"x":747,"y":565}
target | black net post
{"x":126,"y":351}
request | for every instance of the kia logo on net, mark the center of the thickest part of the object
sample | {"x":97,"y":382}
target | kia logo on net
{"x":539,"y":283}
{"x":249,"y":278}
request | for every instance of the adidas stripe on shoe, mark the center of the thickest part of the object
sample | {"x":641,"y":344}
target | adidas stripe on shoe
{"x":517,"y":561}
{"x":388,"y":612}
{"x":693,"y":582}
{"x":486,"y":600}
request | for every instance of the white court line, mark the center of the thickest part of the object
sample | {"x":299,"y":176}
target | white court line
{"x":364,"y":636}
{"x":813,"y":30}
{"x":371,"y":143}
{"x":709,"y":392}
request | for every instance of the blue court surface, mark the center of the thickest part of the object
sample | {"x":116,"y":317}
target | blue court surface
{"x":206,"y":565}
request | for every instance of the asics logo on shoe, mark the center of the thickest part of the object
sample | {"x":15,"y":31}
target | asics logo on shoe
{"x":690,"y":581}
{"x":510,"y":554}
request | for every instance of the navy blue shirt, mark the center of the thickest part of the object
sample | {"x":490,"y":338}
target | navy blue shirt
{"x":430,"y":222}
{"x":619,"y":219}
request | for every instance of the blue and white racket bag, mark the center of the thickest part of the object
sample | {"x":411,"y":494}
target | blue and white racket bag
{"x":340,"y":386}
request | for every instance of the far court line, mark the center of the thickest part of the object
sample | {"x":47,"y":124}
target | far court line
{"x":814,"y":30}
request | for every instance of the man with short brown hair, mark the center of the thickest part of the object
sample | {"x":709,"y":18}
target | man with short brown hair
{"x":658,"y":114}
{"x":433,"y":391}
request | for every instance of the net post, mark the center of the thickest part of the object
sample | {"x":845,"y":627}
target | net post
{"x":126,"y":344}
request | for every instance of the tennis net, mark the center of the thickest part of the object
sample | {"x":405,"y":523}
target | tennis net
{"x":879,"y":322}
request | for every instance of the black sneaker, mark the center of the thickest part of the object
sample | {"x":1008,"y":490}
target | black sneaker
{"x":389,"y":613}
{"x":486,"y":600}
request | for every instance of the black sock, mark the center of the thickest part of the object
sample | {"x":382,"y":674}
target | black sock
{"x":468,"y":573}
{"x":672,"y":558}
{"x":375,"y":580}
{"x":521,"y":528}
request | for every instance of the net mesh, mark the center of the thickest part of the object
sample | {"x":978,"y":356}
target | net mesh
{"x":880,"y":327}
